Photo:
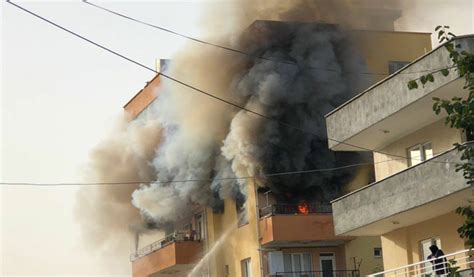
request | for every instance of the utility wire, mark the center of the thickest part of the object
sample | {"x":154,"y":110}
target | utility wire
{"x":204,"y":92}
{"x":249,"y":55}
{"x":81,"y":37}
{"x":194,"y":180}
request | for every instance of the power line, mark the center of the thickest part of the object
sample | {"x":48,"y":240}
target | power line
{"x":277,"y":174}
{"x":249,"y":55}
{"x":202,"y":91}
{"x":82,"y":37}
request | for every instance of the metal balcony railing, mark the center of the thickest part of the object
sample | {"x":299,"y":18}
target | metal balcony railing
{"x":332,"y":273}
{"x":287,"y":209}
{"x":176,"y":236}
{"x":441,"y":266}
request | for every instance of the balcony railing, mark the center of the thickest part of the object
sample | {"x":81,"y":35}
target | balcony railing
{"x":176,"y":236}
{"x":287,"y":209}
{"x":332,"y":273}
{"x":440,"y":266}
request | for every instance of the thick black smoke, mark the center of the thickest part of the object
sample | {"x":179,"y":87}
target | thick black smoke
{"x":299,"y":95}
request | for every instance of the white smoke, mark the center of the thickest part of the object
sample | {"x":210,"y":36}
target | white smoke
{"x":204,"y":140}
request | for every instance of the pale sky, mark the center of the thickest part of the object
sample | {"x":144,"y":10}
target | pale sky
{"x":59,"y":95}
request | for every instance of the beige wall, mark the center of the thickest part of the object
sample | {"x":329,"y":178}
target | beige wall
{"x":241,"y":243}
{"x":362,"y":249}
{"x":441,"y":137}
{"x":379,"y":47}
{"x":363,"y":177}
{"x":315,"y":252}
{"x":402,"y":246}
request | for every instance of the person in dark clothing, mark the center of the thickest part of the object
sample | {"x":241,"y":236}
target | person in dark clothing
{"x":440,"y":264}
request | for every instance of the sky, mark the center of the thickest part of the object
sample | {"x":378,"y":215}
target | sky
{"x":60,"y":95}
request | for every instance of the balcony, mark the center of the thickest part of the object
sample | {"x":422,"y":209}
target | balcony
{"x":418,"y":193}
{"x":461,"y":259}
{"x":331,"y":273}
{"x":174,"y":255}
{"x":284,"y":225}
{"x":388,"y":110}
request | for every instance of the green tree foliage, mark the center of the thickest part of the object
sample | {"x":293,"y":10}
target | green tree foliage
{"x":460,"y":114}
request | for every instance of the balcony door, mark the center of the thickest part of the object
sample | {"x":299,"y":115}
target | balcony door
{"x":425,"y":251}
{"x":327,"y":263}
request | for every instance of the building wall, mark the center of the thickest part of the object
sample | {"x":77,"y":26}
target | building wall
{"x":363,"y":177}
{"x":379,"y":47}
{"x":402,"y":246}
{"x":442,"y":138}
{"x":362,"y":250}
{"x":142,"y":99}
{"x":315,"y":253}
{"x":241,"y":242}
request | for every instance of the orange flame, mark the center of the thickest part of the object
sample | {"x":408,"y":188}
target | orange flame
{"x":303,"y":208}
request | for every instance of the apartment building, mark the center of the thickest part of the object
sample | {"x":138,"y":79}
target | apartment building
{"x":412,"y":202}
{"x":264,"y":237}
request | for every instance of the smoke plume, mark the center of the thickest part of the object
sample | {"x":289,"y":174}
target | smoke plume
{"x":187,"y":136}
{"x":205,"y":139}
{"x":124,"y":157}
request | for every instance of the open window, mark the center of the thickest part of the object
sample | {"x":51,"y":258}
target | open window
{"x":246,"y":268}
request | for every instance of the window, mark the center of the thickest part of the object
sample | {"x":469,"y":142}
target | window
{"x":297,"y":262}
{"x":378,"y":252}
{"x":246,"y":266}
{"x":394,"y":66}
{"x":226,"y":270}
{"x":241,"y":208}
{"x":419,"y":153}
{"x":200,"y":227}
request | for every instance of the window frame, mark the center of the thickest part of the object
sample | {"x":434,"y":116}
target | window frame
{"x":380,"y":251}
{"x":423,"y":156}
{"x":301,"y":257}
{"x":246,"y":267}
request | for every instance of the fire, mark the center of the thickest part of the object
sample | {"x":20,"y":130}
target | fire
{"x":303,"y":208}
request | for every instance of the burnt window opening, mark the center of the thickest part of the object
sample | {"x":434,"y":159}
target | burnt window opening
{"x":217,"y":204}
{"x":242,"y":217}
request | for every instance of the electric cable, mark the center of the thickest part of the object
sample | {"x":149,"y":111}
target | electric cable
{"x":202,"y":91}
{"x":269,"y":175}
{"x":249,"y":55}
